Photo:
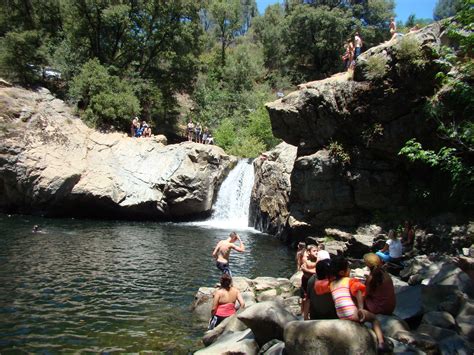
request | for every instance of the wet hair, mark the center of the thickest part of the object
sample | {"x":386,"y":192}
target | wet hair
{"x":338,"y":264}
{"x":323,"y":269}
{"x":226,"y":281}
{"x":301,"y":245}
{"x":310,"y":246}
{"x":233,"y":235}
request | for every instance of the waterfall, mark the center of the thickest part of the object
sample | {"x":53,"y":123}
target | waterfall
{"x":231,"y":209}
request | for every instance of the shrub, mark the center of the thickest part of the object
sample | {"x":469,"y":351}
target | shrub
{"x":247,"y":147}
{"x":106,"y":99}
{"x":337,"y":151}
{"x":409,"y":50}
{"x":376,"y":67}
{"x":21,"y":56}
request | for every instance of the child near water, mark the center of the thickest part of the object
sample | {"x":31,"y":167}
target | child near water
{"x":300,"y":255}
{"x":343,"y":288}
{"x":309,"y":269}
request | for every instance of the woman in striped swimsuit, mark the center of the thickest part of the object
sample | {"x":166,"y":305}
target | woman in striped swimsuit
{"x":343,"y":289}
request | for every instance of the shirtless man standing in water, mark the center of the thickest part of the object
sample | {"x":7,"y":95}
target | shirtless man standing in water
{"x":222,"y":252}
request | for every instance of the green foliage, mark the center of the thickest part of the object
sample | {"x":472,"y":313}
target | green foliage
{"x":314,"y":39}
{"x":227,"y":16}
{"x":107,"y":100}
{"x":268,"y":30}
{"x":21,"y":56}
{"x":446,"y":8}
{"x":371,"y":133}
{"x":376,"y":67}
{"x":260,"y":126}
{"x":445,"y":159}
{"x":452,"y":109}
{"x":337,"y":152}
{"x":408,"y":49}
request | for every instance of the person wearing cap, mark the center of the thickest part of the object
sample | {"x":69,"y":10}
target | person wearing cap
{"x":322,"y":254}
{"x":380,"y":293}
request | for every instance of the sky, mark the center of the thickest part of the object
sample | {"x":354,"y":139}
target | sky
{"x":403,"y":9}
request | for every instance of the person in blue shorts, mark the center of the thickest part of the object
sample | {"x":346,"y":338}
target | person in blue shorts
{"x":222,"y":252}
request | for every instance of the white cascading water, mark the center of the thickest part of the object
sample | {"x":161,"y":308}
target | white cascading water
{"x":231,"y":209}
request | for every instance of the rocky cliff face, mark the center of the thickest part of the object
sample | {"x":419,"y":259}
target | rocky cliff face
{"x":271,"y":190}
{"x":52,"y":164}
{"x":348,"y":132}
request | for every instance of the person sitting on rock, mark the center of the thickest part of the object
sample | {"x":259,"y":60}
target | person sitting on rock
{"x":209,"y":139}
{"x":380,"y":293}
{"x":408,"y":235}
{"x":392,"y":250}
{"x":146,"y":130}
{"x":319,"y":294}
{"x":343,"y":289}
{"x":223,"y":304}
{"x":309,"y":269}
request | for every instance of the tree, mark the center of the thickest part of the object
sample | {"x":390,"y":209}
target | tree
{"x":107,"y":100}
{"x":21,"y":56}
{"x":314,"y":40}
{"x":268,"y":30}
{"x":227,"y":15}
{"x":446,"y":8}
{"x":410,"y":21}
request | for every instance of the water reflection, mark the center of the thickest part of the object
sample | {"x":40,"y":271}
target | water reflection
{"x":94,"y":286}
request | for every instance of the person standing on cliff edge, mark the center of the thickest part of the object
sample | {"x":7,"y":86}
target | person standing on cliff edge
{"x":222,"y":252}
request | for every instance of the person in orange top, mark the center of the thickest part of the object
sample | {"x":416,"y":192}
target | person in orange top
{"x":223,"y":304}
{"x":343,"y":288}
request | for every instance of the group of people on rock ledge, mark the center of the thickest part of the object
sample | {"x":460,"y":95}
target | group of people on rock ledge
{"x":353,"y":47}
{"x":140,"y":129}
{"x":197,"y":134}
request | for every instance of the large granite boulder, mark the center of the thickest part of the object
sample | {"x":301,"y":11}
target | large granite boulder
{"x":267,"y":320}
{"x":270,"y":194}
{"x":242,"y":342}
{"x":349,"y":133}
{"x":52,"y":163}
{"x":329,"y":337}
{"x":413,"y":302}
{"x":202,"y":305}
{"x":229,"y":325}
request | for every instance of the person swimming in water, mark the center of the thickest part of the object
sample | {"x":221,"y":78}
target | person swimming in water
{"x":222,"y":252}
{"x":36,"y":229}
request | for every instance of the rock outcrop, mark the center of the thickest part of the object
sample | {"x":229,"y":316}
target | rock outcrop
{"x":348,"y":133}
{"x":272,"y":186}
{"x":51,"y":163}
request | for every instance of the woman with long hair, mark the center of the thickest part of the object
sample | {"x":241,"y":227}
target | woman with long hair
{"x":223,"y":304}
{"x":380,"y":293}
